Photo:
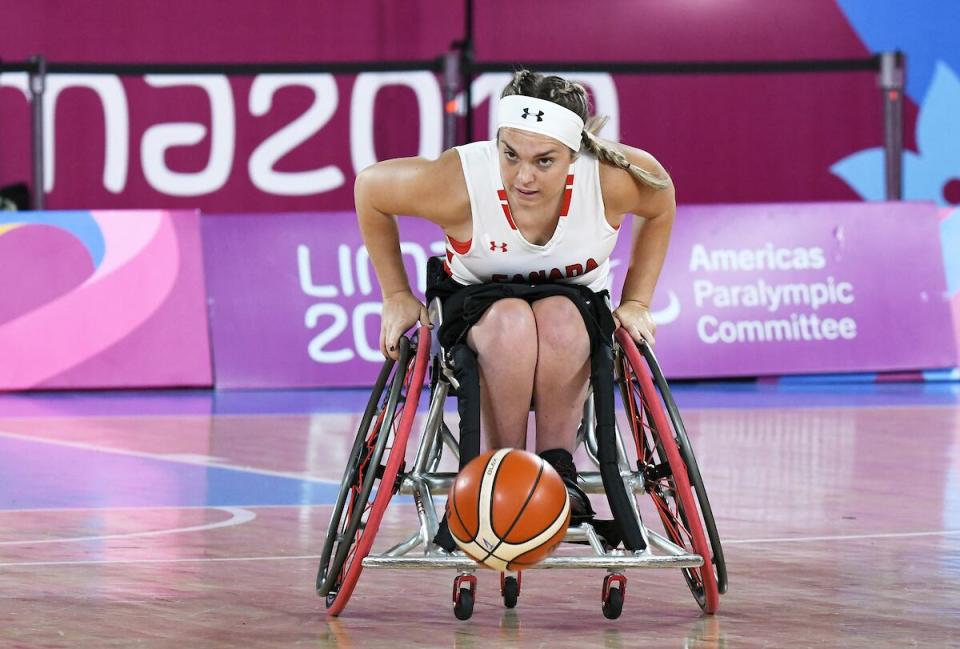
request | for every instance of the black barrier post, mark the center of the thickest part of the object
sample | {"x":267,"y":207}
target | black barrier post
{"x":467,"y":70}
{"x":891,"y":84}
{"x":451,"y":84}
{"x":38,"y":82}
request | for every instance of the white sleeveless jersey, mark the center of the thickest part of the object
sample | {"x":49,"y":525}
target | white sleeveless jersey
{"x":577,"y":253}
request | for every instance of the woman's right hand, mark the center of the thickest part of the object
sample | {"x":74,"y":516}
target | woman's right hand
{"x":400,"y":312}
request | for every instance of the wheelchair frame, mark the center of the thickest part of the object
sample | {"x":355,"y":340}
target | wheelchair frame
{"x":666,"y":470}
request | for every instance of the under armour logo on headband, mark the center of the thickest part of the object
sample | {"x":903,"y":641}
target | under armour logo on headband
{"x":541,"y":116}
{"x":526,"y":114}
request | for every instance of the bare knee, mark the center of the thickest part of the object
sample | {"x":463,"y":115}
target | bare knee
{"x":560,"y":327}
{"x":507,"y":327}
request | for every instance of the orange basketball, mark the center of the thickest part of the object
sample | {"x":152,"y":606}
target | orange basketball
{"x":508,"y":509}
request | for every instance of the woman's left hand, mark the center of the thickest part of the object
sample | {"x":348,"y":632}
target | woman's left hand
{"x":635,"y":317}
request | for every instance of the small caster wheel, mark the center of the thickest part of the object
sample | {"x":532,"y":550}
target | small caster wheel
{"x":613,"y":605}
{"x":613,"y":596}
{"x":463,"y":606}
{"x":510,"y":589}
{"x":464,"y":588}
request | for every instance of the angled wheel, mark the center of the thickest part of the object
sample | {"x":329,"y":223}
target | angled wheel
{"x":693,"y":469}
{"x":665,"y":472}
{"x":352,"y":495}
{"x":372,"y":471}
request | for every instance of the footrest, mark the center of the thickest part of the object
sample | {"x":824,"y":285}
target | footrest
{"x":621,"y":562}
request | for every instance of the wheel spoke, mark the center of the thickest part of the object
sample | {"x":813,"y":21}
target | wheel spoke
{"x":662,"y":464}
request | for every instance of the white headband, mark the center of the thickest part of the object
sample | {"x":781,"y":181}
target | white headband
{"x":540,"y":116}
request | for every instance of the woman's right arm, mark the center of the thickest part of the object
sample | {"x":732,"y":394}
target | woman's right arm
{"x":431,"y":189}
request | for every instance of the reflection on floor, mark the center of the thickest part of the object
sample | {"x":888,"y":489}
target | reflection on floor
{"x":195,"y":519}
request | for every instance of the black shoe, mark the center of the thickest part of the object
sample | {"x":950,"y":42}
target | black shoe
{"x":443,"y":538}
{"x":561,"y":460}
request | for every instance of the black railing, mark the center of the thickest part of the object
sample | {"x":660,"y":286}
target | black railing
{"x":458,"y":69}
{"x":696,"y":67}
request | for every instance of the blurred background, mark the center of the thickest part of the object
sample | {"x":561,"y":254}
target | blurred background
{"x":176,"y":211}
{"x":725,"y":137}
{"x":261,"y":108}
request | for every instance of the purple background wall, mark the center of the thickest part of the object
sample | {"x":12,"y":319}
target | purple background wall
{"x":804,"y":288}
{"x":293,"y":298}
{"x":116,"y":299}
{"x":725,"y":139}
{"x":294,"y":301}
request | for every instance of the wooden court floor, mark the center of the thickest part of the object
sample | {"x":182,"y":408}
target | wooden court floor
{"x":195,"y":519}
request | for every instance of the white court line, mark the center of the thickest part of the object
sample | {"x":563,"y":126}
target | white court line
{"x":110,"y":562}
{"x":166,"y":458}
{"x":314,"y":557}
{"x":237,"y":517}
{"x":845,"y":537}
{"x":136,"y":508}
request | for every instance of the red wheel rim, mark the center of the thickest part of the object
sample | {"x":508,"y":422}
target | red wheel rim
{"x":684,"y":492}
{"x":355,"y":562}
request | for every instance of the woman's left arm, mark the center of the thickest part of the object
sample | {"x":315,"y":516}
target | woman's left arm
{"x":654,"y":211}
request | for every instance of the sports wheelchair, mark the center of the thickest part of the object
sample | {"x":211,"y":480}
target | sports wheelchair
{"x":651,"y":457}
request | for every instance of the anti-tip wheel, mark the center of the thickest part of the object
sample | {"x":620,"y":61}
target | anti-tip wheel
{"x":510,"y":589}
{"x":463,"y":606}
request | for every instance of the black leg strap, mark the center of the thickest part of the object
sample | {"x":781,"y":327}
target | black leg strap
{"x":463,"y":360}
{"x":619,"y":500}
{"x":467,"y":373}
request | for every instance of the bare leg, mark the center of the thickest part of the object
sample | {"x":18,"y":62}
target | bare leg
{"x":562,"y":372}
{"x":505,"y":340}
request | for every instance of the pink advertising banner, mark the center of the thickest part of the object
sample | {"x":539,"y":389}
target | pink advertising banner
{"x":294,"y":142}
{"x":747,"y":290}
{"x":102,"y":299}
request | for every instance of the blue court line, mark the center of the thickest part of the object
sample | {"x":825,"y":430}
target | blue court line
{"x":98,"y":403}
{"x":797,"y":392}
{"x":40,"y":475}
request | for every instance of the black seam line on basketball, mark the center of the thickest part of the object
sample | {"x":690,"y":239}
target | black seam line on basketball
{"x":510,"y":562}
{"x":517,"y":562}
{"x":456,"y":510}
{"x":523,"y":564}
{"x":533,"y":489}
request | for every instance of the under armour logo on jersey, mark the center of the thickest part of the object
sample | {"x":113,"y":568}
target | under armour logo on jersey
{"x":526,"y":114}
{"x":494,"y":246}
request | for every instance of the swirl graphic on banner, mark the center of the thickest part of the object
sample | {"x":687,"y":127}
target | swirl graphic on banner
{"x":133,"y":266}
